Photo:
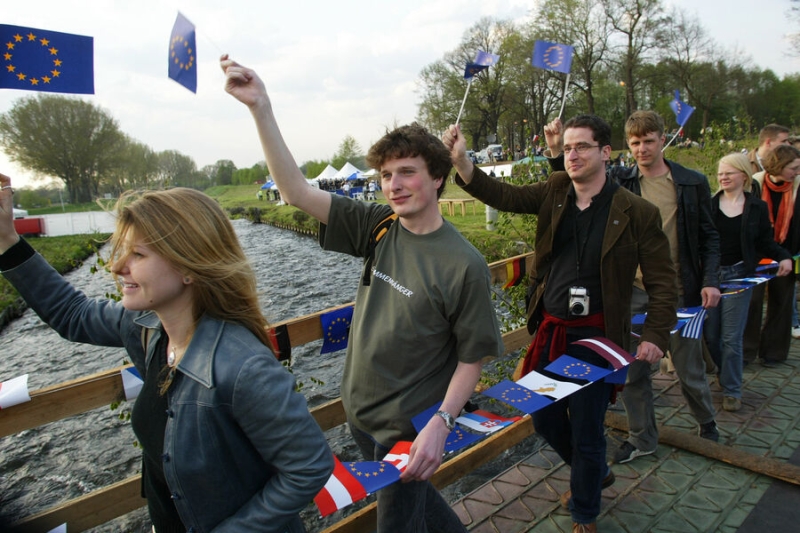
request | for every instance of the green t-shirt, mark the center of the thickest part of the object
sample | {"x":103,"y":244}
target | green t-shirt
{"x":428,"y":306}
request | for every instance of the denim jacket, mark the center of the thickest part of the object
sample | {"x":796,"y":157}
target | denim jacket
{"x":241,"y":451}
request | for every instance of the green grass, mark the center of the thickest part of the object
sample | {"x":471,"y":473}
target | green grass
{"x":64,"y":253}
{"x":68,"y":208}
{"x":241,"y":201}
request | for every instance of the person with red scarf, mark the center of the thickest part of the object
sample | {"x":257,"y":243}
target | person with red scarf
{"x":591,"y":236}
{"x":779,"y":185}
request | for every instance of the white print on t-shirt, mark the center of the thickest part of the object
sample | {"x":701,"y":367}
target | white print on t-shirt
{"x":396,"y":286}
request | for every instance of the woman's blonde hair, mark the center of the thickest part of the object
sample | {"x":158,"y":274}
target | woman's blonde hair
{"x":740,"y":162}
{"x":191,"y":232}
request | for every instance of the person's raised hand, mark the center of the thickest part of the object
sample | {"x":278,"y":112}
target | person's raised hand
{"x":8,"y":235}
{"x":243,"y":83}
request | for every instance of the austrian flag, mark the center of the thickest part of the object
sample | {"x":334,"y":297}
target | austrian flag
{"x":341,"y":490}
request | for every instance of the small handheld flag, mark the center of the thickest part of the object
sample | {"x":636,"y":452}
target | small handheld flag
{"x":557,"y":57}
{"x":183,"y":53}
{"x":681,"y":109}
{"x":49,"y":61}
{"x":552,"y":56}
{"x":483,"y":60}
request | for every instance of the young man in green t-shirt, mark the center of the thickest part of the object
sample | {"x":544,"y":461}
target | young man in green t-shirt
{"x":423,"y":322}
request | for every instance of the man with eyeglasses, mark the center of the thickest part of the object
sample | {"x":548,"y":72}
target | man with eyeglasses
{"x":591,"y":236}
{"x":683,"y":197}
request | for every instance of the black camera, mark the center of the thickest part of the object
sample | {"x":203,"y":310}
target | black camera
{"x":578,"y":301}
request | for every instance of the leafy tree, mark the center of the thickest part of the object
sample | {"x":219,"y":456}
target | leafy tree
{"x":349,"y":151}
{"x":137,"y":168}
{"x":582,"y":23}
{"x":312,"y":169}
{"x":176,"y":170}
{"x":69,"y":138}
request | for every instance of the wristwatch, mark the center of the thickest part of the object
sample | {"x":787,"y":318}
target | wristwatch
{"x":448,"y":419}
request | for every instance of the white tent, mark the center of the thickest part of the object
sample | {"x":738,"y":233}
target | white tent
{"x":328,"y":173}
{"x":370,"y":173}
{"x":346,"y":171}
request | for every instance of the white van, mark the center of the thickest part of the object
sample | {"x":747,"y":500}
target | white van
{"x":496,"y":150}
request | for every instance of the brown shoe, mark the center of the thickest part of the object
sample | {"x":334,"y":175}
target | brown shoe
{"x":607,"y":482}
{"x":584,"y":528}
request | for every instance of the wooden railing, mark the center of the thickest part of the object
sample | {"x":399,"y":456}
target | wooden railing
{"x":99,"y":390}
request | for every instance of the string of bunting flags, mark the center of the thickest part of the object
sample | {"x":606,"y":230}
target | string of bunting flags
{"x":336,"y":329}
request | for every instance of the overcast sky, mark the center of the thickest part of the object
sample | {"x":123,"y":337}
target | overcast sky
{"x":332,"y":68}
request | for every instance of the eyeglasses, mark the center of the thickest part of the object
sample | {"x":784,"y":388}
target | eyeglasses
{"x":580,"y":148}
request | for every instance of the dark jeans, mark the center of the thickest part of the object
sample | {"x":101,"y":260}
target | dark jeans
{"x":413,"y":507}
{"x":574,"y":428}
{"x":773,"y":340}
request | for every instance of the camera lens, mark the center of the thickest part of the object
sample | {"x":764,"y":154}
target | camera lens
{"x":577,"y":308}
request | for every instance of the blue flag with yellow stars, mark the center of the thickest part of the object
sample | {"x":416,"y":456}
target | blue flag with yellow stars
{"x":183,"y":53}
{"x":552,"y":56}
{"x":49,"y":61}
{"x":569,"y":367}
{"x":681,"y":109}
{"x":517,"y":396}
{"x":373,"y":475}
{"x":336,"y":329}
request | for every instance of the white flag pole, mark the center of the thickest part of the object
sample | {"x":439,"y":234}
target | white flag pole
{"x":464,"y":101}
{"x":564,"y":97}
{"x":673,"y":138}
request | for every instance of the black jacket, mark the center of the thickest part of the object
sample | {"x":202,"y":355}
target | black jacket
{"x":757,"y":239}
{"x":698,"y":240}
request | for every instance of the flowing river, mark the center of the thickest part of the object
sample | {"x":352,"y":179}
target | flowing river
{"x":50,"y":464}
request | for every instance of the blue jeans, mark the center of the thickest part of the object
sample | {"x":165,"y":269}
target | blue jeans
{"x":574,"y":428}
{"x":413,"y":507}
{"x":724,"y":330}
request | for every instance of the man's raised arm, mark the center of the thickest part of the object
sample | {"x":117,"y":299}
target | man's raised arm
{"x":245,"y":85}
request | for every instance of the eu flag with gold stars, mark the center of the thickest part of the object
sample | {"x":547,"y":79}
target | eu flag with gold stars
{"x":49,"y":61}
{"x":373,"y":475}
{"x":183,"y":53}
{"x":517,"y":396}
{"x":552,"y":56}
{"x":335,"y":329}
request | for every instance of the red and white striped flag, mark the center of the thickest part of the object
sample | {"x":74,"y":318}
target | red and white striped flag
{"x":608,"y":350}
{"x":341,"y":490}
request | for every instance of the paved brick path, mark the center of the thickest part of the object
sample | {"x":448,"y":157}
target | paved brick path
{"x":670,"y":491}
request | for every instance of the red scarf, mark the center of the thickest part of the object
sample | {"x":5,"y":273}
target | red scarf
{"x":557,"y":328}
{"x":785,"y":209}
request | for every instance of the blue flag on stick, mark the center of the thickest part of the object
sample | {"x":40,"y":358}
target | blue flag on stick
{"x":681,"y":109}
{"x":486,"y":59}
{"x":552,"y":56}
{"x":483,"y":60}
{"x":49,"y":61}
{"x":183,"y":53}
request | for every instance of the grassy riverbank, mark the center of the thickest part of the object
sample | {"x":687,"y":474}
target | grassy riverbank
{"x":64,"y":253}
{"x":240,"y":201}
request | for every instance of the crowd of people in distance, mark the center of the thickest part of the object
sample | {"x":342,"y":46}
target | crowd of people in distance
{"x":228,"y":443}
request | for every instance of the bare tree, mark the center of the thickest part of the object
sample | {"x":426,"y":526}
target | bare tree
{"x":641,"y":26}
